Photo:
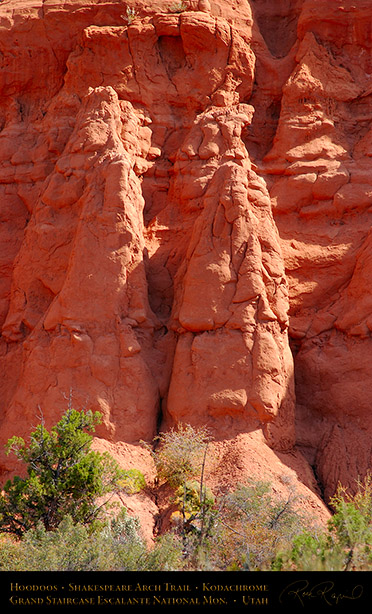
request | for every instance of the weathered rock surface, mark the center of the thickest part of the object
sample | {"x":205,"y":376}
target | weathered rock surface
{"x":186,"y":198}
{"x":320,"y":165}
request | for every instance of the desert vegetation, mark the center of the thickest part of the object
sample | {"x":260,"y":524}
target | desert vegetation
{"x":61,"y":516}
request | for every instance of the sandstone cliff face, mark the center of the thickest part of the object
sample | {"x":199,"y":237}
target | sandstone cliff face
{"x":185,"y":199}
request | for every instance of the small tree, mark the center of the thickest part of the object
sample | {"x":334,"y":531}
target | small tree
{"x":64,"y":478}
{"x":181,"y":454}
{"x":180,"y":458}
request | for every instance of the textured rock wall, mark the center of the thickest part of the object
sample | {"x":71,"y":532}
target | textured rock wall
{"x":185,"y":199}
{"x":320,"y":167}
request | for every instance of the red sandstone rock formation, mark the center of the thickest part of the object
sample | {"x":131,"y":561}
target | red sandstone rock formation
{"x":185,"y":198}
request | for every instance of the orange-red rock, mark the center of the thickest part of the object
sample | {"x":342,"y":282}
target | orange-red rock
{"x":185,"y":198}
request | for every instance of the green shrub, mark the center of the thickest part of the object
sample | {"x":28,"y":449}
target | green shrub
{"x":180,"y":459}
{"x":188,"y":501}
{"x":347,"y":542}
{"x":180,"y":455}
{"x":253,"y":525}
{"x":117,"y":546}
{"x":132,"y":481}
{"x":64,"y":478}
